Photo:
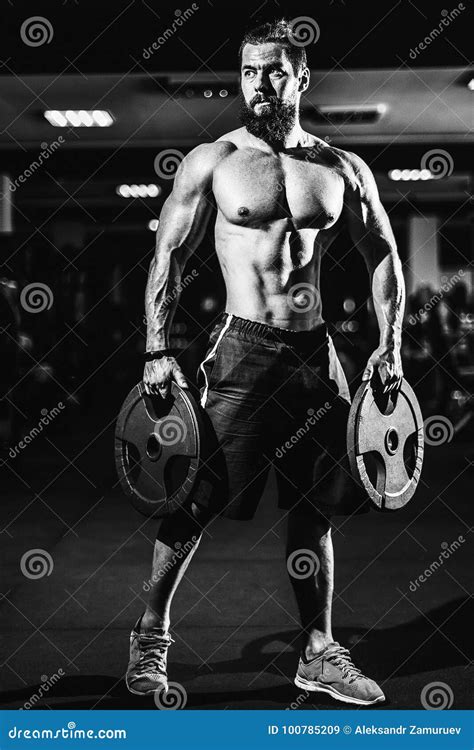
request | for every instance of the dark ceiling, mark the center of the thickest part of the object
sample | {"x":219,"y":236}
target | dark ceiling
{"x":94,"y":37}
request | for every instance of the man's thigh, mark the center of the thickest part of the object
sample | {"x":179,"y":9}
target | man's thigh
{"x":312,"y":466}
{"x":234,"y":397}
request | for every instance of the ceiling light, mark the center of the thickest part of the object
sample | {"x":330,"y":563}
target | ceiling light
{"x":410,"y":175}
{"x":56,"y":118}
{"x":73,"y":118}
{"x":86,"y":118}
{"x":79,"y":118}
{"x":102,"y":118}
{"x":138,"y":191}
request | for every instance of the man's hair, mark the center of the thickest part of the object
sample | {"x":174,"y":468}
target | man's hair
{"x":278,"y":32}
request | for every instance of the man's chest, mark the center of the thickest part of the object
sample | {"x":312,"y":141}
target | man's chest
{"x":253,"y":189}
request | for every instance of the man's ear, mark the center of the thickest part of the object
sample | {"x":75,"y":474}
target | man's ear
{"x":304,"y":80}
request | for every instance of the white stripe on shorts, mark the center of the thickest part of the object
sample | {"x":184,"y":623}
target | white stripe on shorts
{"x":210,"y":355}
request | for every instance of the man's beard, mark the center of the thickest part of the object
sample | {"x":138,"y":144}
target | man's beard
{"x":275,"y":122}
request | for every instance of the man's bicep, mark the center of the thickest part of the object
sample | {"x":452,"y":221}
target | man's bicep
{"x":367,"y":220}
{"x":185,"y":213}
{"x":183,"y":223}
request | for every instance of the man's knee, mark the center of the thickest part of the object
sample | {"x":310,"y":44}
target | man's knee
{"x":201,"y":515}
{"x":184,"y":526}
{"x":309,"y":519}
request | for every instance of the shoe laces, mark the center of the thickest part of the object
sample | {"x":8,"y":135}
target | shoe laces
{"x":153,"y":650}
{"x":341,"y":658}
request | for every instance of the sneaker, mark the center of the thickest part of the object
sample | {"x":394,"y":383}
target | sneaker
{"x":333,"y":672}
{"x":146,"y":670}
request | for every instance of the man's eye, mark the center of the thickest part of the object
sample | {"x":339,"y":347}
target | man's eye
{"x":277,"y":73}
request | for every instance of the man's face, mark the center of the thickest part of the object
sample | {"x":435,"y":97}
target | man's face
{"x":269,"y":91}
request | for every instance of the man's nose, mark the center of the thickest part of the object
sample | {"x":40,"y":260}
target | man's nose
{"x":261,"y":83}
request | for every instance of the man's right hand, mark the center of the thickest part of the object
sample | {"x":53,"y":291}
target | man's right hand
{"x":159,"y":373}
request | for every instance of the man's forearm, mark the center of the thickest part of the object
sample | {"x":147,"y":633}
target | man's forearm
{"x":388,"y":290}
{"x":161,"y":298}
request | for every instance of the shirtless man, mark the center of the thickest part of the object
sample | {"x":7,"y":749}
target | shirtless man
{"x":271,"y":371}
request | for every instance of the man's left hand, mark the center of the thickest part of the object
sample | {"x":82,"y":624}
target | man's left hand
{"x":389,"y":363}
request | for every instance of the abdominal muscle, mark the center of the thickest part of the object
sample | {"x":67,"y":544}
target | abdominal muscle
{"x":271,"y":274}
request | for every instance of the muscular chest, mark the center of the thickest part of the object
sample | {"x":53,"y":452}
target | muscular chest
{"x":254,"y":190}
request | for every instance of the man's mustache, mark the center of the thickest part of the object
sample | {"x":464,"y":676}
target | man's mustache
{"x":260,"y":99}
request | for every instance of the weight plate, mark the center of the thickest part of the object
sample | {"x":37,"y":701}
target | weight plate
{"x":385,"y":444}
{"x":158,"y":446}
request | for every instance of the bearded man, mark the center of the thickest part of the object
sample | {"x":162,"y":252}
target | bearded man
{"x":282,"y":195}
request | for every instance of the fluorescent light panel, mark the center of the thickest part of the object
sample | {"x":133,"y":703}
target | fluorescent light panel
{"x":138,"y":191}
{"x":79,"y":118}
{"x":410,"y":174}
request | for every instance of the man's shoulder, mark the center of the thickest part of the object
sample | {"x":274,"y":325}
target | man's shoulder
{"x":207,"y":155}
{"x":353,"y":168}
{"x":203,"y":159}
{"x":197,"y":167}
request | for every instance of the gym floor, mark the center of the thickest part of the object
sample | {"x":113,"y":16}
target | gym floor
{"x":234,"y":619}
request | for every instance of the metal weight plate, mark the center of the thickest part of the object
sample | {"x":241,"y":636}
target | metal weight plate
{"x":385,"y":443}
{"x":157,"y":449}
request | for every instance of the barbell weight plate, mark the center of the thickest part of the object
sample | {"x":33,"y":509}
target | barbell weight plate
{"x":158,"y":446}
{"x":385,"y":443}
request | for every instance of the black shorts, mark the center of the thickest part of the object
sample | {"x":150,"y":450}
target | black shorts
{"x":273,"y":396}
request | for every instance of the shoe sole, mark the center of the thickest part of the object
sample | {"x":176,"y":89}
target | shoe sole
{"x":318,"y":688}
{"x":147,"y":692}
